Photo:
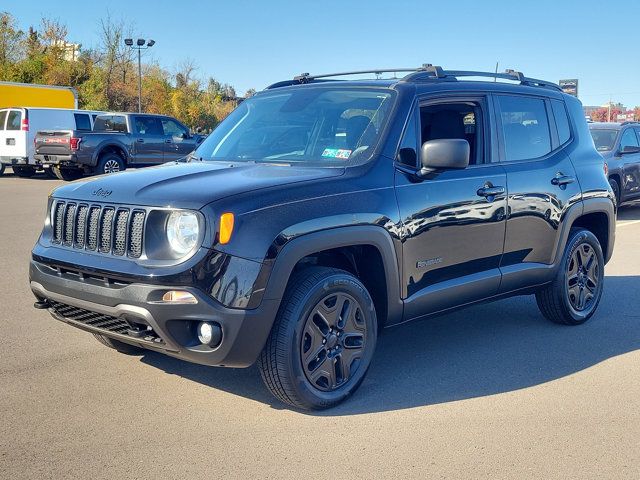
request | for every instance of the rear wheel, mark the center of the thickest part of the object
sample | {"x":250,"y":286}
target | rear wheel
{"x":572,"y":298}
{"x":25,"y":171}
{"x":322,"y":341}
{"x":1,"y":168}
{"x":67,"y":174}
{"x":49,"y":173}
{"x":118,"y":345}
{"x":109,"y":163}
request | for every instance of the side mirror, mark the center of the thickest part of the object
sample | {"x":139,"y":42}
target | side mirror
{"x":444,"y":154}
{"x":630,"y":149}
{"x":186,"y":135}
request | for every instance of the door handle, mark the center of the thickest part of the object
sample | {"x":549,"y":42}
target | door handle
{"x":141,"y":140}
{"x":489,"y":191}
{"x":561,"y":180}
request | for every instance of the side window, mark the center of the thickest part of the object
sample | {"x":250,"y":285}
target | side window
{"x":147,"y":126}
{"x":119,"y":124}
{"x":562,"y":121}
{"x":407,"y":154}
{"x":3,"y":118}
{"x":82,"y":122}
{"x":172,"y":128}
{"x":628,"y":139}
{"x":13,"y":120}
{"x":525,"y":127}
{"x":454,"y":120}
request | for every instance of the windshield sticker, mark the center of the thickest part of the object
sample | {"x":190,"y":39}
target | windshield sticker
{"x":341,"y":153}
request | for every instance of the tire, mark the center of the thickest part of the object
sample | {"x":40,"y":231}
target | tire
{"x":295,"y":361}
{"x":573,"y":296}
{"x":118,"y":345}
{"x":616,"y":190}
{"x":2,"y":168}
{"x":109,"y":163}
{"x":24,"y":171}
{"x":67,"y":174}
{"x":49,"y":173}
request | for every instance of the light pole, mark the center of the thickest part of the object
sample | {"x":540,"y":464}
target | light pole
{"x":141,"y":44}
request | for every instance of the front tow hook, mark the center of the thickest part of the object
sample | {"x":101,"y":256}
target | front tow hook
{"x":42,"y":304}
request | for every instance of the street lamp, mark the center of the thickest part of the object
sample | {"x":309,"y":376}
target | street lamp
{"x":141,"y":44}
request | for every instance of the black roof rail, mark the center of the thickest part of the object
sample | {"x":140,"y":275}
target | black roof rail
{"x":426,"y":72}
{"x":430,"y":72}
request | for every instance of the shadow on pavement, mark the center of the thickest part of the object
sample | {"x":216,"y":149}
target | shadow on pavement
{"x":483,"y":350}
{"x":629,"y":211}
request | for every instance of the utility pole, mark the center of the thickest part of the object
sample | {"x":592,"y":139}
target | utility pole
{"x":141,"y":44}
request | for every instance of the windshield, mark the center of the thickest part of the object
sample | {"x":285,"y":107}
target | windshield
{"x":604,"y":139}
{"x":326,"y":126}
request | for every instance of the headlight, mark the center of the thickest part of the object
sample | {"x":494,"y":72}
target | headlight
{"x":183,"y":231}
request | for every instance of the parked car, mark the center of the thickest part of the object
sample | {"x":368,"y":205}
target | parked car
{"x":619,"y":144}
{"x":321,"y":211}
{"x":118,"y":141}
{"x":18,"y":127}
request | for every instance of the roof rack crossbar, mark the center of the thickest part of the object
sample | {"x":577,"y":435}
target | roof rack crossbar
{"x":426,"y":71}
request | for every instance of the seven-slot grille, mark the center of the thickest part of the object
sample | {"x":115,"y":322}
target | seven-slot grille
{"x":103,"y":228}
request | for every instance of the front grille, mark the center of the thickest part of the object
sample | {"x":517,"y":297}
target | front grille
{"x":106,"y":323}
{"x":104,"y":228}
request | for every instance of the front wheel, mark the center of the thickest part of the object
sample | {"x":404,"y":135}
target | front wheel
{"x":616,"y":190}
{"x":24,"y":171}
{"x":573,"y":296}
{"x":322,"y":341}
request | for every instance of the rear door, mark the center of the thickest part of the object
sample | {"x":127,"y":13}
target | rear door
{"x":542,"y":184}
{"x":14,"y":141}
{"x":149,"y":139}
{"x":178,"y":142}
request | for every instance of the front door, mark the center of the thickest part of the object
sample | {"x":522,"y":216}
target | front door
{"x":178,"y":142}
{"x":149,"y":139}
{"x":630,"y":164}
{"x":453,"y":220}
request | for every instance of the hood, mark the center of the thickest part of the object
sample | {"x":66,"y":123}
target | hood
{"x":187,"y":185}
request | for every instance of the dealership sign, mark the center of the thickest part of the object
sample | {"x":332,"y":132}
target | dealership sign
{"x":569,"y":86}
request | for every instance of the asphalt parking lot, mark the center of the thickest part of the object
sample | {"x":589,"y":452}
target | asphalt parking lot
{"x":494,"y":391}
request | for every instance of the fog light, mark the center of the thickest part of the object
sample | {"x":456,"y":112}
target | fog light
{"x":178,"y":296}
{"x":209,"y":334}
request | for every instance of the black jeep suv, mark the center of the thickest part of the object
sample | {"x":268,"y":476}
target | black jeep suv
{"x":323,"y":210}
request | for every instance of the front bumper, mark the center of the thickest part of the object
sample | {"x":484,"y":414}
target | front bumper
{"x":244,"y":332}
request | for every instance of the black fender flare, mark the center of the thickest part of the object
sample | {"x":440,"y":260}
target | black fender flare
{"x":605,"y":205}
{"x":107,"y":144}
{"x":282,"y":266}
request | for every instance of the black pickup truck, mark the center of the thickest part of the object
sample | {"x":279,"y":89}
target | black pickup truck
{"x":117,"y":141}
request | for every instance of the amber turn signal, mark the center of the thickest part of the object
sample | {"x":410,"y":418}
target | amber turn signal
{"x":178,"y":296}
{"x":226,"y":227}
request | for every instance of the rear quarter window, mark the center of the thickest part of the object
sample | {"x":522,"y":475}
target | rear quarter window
{"x":83,"y":122}
{"x":3,"y":118}
{"x":562,"y":121}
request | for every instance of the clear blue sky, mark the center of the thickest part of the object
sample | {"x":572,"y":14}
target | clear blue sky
{"x":253,"y":43}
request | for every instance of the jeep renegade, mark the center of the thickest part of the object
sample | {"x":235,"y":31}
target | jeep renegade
{"x":322,"y":210}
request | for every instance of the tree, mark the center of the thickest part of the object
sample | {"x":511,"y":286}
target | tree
{"x":11,"y":42}
{"x":250,"y":93}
